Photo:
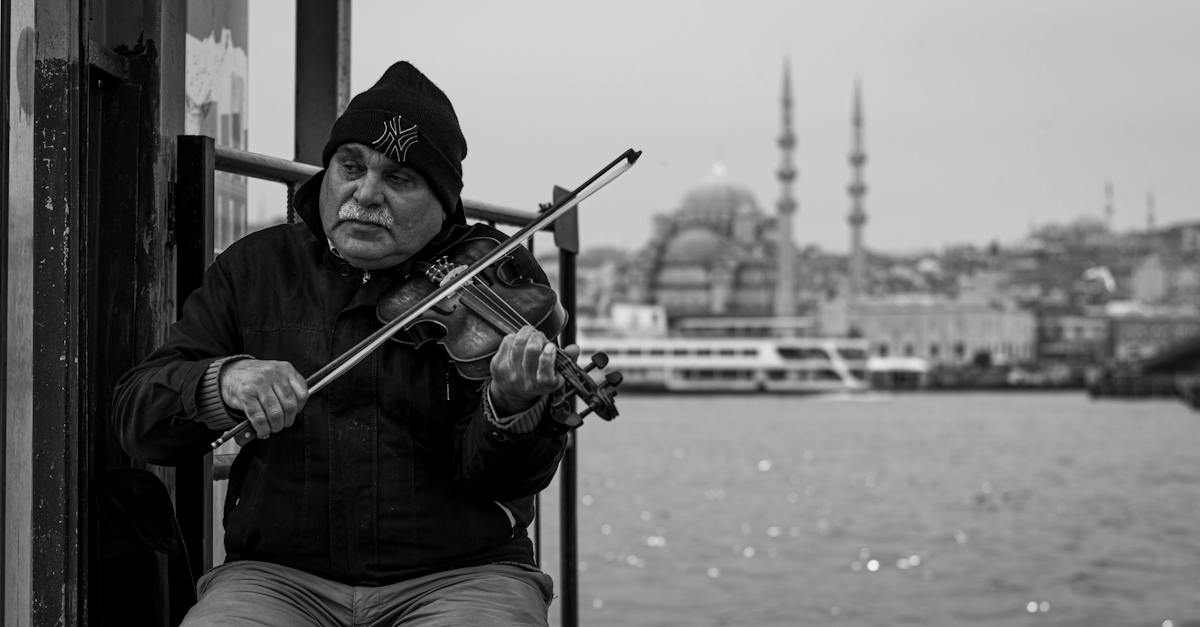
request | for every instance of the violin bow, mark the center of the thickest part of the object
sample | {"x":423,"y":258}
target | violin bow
{"x":359,"y":352}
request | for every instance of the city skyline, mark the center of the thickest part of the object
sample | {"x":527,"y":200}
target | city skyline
{"x":981,"y":119}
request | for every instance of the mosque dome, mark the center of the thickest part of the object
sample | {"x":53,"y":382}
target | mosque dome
{"x":716,"y":203}
{"x":697,"y":246}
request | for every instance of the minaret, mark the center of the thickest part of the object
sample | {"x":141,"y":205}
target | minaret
{"x":1109,"y":211}
{"x":857,"y":189}
{"x":1150,"y":221}
{"x":785,"y":287}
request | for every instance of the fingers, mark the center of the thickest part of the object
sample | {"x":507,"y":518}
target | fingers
{"x":258,"y":418}
{"x":525,"y":365}
{"x":270,"y":393}
{"x":547,"y":374}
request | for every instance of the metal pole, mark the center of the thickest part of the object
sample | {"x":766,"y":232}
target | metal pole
{"x":195,"y":203}
{"x":566,"y":237}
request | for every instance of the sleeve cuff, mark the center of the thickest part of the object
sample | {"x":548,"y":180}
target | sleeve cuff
{"x":210,"y":409}
{"x":517,"y":424}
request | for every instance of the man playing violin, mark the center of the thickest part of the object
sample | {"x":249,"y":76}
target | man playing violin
{"x":401,"y":492}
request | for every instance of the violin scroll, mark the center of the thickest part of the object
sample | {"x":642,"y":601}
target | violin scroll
{"x":579,"y":382}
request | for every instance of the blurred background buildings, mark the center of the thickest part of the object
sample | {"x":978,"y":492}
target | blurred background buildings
{"x":1051,"y":308}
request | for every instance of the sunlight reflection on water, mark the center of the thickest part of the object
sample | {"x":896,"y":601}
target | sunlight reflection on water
{"x":977,"y":509}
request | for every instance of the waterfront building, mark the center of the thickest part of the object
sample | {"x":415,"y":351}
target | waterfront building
{"x":1137,"y":331}
{"x":939,"y":329}
{"x":1071,"y":337}
{"x":1167,"y":278}
{"x":1168,"y":273}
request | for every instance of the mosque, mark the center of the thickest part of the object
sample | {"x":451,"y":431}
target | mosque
{"x":720,"y":264}
{"x":720,"y":254}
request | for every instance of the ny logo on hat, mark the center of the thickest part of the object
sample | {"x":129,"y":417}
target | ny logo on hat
{"x":395,"y":140}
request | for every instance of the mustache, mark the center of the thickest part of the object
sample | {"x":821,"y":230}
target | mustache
{"x":353,"y":210}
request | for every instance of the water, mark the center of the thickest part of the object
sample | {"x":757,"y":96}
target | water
{"x":923,"y":509}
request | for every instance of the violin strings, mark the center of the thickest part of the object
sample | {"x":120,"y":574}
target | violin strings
{"x":495,"y":305}
{"x":487,"y":299}
{"x":574,"y":377}
{"x":492,"y":301}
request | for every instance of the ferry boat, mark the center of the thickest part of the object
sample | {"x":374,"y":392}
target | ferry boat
{"x":735,"y":364}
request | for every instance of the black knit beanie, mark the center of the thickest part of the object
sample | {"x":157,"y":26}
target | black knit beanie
{"x":406,"y":117}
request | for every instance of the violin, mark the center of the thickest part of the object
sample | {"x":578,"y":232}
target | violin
{"x":471,"y":323}
{"x":477,"y":296}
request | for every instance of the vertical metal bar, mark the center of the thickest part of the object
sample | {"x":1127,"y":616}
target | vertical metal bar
{"x":537,"y":498}
{"x":5,"y":11}
{"x":291,"y":202}
{"x":322,"y":72}
{"x":566,"y":237}
{"x":195,"y":201}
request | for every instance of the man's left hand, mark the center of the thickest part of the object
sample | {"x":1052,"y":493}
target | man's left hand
{"x":523,"y":370}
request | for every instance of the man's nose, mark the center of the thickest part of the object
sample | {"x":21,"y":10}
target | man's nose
{"x":370,"y":190}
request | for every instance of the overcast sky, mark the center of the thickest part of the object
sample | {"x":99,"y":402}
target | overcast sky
{"x":982,"y":117}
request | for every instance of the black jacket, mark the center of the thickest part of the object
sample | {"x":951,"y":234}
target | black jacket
{"x":391,"y":471}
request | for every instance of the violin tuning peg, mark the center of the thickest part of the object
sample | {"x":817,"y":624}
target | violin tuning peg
{"x":598,"y":360}
{"x":613,"y":379}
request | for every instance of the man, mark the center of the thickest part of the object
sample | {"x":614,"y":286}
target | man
{"x":400,"y":493}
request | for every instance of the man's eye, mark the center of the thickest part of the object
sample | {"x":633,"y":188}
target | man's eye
{"x":351,"y":167}
{"x":399,"y":180}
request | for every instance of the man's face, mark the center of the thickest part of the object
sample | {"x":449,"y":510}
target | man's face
{"x":376,"y":212}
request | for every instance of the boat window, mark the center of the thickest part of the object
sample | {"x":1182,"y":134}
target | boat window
{"x":826,"y":375}
{"x":852,"y":353}
{"x":776,"y":375}
{"x":704,"y":352}
{"x":795,"y":352}
{"x":634,"y":352}
{"x":726,"y":352}
{"x":748,"y":352}
{"x":679,"y":352}
{"x":657,"y":352}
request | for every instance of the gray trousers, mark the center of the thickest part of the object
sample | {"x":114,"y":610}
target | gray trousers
{"x":261,"y":593}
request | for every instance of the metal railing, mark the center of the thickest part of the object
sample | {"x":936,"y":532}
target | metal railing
{"x":197,"y":159}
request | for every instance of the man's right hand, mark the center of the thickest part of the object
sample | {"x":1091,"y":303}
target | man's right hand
{"x":270,"y":393}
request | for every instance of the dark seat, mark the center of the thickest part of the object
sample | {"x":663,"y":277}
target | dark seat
{"x":145,"y":575}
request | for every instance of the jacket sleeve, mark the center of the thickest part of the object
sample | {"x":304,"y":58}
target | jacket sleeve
{"x":155,"y":406}
{"x":501,"y":464}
